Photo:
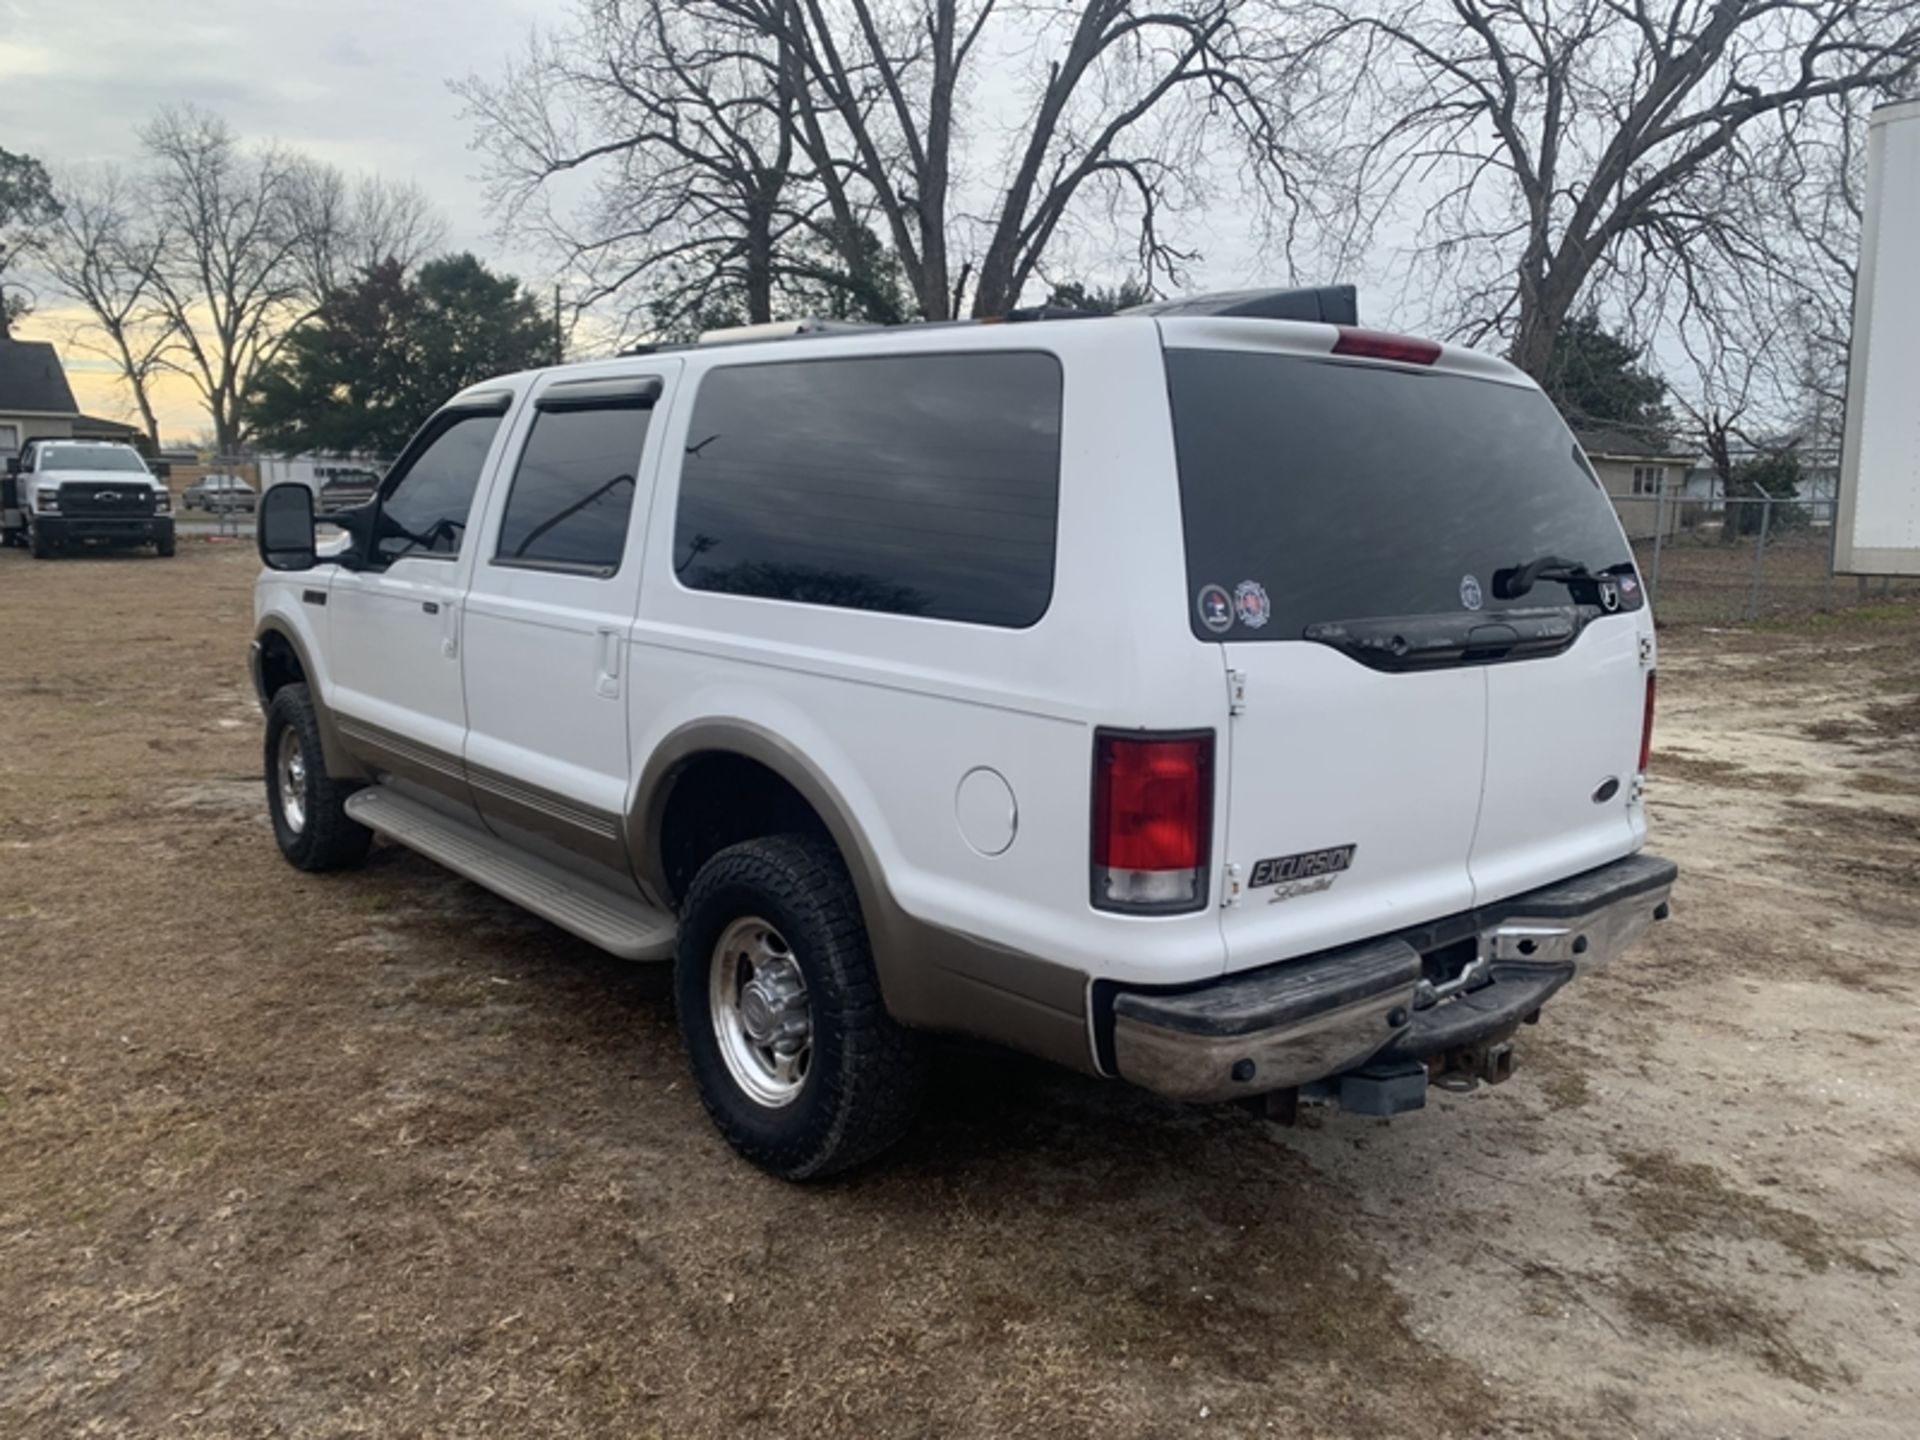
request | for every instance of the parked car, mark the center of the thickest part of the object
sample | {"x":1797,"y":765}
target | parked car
{"x":344,"y":489}
{"x":1234,"y":705}
{"x":219,"y":492}
{"x":62,"y":495}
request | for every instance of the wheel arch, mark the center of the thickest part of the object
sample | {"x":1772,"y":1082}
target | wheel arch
{"x":930,"y":977}
{"x":279,"y":657}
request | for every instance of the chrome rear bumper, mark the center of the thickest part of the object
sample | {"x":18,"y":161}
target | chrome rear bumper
{"x":1288,"y":1024}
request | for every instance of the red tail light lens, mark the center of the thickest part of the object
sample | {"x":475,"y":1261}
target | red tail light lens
{"x":1646,"y":727}
{"x":1379,"y":345}
{"x":1152,"y":820}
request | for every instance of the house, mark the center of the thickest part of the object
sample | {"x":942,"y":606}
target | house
{"x":1641,"y":475}
{"x":35,"y":399}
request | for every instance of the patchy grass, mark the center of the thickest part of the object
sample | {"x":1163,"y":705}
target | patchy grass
{"x":1674,"y":1200}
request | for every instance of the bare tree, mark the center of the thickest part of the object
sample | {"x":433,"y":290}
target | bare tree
{"x":347,"y":225}
{"x":100,"y":252}
{"x":749,"y":145}
{"x":253,"y":240}
{"x":230,"y":277}
{"x":1543,"y":148}
{"x":684,"y":116}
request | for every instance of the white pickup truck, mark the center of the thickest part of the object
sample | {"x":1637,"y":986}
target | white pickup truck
{"x":1221,"y":697}
{"x":68,"y":494}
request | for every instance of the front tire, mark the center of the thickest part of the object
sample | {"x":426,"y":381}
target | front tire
{"x":792,"y":1049}
{"x":163,"y":547}
{"x":39,"y":544}
{"x":308,"y":805}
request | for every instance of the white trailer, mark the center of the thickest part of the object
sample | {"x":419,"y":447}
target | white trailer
{"x":1879,"y":523}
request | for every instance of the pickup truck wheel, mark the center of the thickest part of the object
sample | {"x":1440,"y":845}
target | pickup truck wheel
{"x":308,"y":806}
{"x":795,"y":1056}
{"x":163,"y":547}
{"x":37,"y":540}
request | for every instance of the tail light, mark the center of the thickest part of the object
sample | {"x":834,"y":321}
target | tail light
{"x":1152,"y":820}
{"x":1646,"y":727}
{"x":1379,"y":345}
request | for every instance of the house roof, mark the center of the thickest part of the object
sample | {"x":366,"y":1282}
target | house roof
{"x":98,"y":427}
{"x":1624,"y":445}
{"x":31,"y":380}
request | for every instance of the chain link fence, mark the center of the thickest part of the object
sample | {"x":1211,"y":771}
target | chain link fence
{"x":1730,"y":560}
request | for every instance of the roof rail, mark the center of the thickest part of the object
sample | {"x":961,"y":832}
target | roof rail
{"x":1330,"y":304}
{"x":781,"y":330}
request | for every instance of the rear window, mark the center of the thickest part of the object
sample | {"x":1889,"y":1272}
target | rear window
{"x":922,"y":485}
{"x":1315,"y":491}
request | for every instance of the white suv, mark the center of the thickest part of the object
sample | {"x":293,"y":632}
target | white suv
{"x":1240,"y":706}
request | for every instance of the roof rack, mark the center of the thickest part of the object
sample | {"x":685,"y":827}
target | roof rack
{"x":1329,"y":304}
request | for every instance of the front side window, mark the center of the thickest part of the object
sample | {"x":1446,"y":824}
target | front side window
{"x":425,"y":511}
{"x":923,"y":485}
{"x":573,"y":490}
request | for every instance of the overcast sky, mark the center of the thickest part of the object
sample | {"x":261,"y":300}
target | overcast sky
{"x":358,"y":82}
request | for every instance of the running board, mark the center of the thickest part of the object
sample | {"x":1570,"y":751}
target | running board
{"x":618,"y":924}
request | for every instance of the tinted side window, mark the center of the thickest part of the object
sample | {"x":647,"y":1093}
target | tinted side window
{"x":915,"y":484}
{"x":573,"y":490}
{"x":425,"y":513}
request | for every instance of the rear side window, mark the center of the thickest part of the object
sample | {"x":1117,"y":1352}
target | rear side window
{"x":916,"y":485}
{"x":1315,"y":492}
{"x":572,"y":492}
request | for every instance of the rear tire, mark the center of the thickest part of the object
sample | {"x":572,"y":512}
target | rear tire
{"x":854,"y":1089}
{"x":308,"y":805}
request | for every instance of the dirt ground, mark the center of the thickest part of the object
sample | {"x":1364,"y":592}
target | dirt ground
{"x":375,"y":1154}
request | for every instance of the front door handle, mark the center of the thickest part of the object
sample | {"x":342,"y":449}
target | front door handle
{"x":432,"y":607}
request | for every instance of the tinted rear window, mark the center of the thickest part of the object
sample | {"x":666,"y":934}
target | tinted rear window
{"x":1349,"y":492}
{"x":920,"y":485}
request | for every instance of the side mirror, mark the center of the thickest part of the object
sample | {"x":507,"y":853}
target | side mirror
{"x":161,"y":470}
{"x":284,"y":531}
{"x":13,"y":465}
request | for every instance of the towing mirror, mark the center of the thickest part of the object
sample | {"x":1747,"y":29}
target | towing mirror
{"x":284,"y":530}
{"x":13,"y":466}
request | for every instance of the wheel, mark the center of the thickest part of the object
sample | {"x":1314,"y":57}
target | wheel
{"x":164,"y":545}
{"x":39,"y":544}
{"x":308,"y":806}
{"x":792,"y":1049}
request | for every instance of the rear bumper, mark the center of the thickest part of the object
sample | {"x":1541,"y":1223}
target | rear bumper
{"x":112,"y":530}
{"x":1306,"y":1019}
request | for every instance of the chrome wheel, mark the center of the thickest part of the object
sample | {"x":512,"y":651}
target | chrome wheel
{"x":758,"y":999}
{"x":290,"y":771}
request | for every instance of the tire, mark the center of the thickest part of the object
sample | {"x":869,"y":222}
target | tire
{"x":38,"y":543}
{"x":315,"y":832}
{"x":862,"y":1072}
{"x":163,"y":547}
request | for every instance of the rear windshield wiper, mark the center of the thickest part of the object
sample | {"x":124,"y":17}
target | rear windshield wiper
{"x":1513,"y":582}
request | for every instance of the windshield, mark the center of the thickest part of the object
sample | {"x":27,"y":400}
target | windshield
{"x":1316,"y":491}
{"x":92,"y":457}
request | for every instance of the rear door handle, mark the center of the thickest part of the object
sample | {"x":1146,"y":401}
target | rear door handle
{"x":607,"y":681}
{"x":432,"y":607}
